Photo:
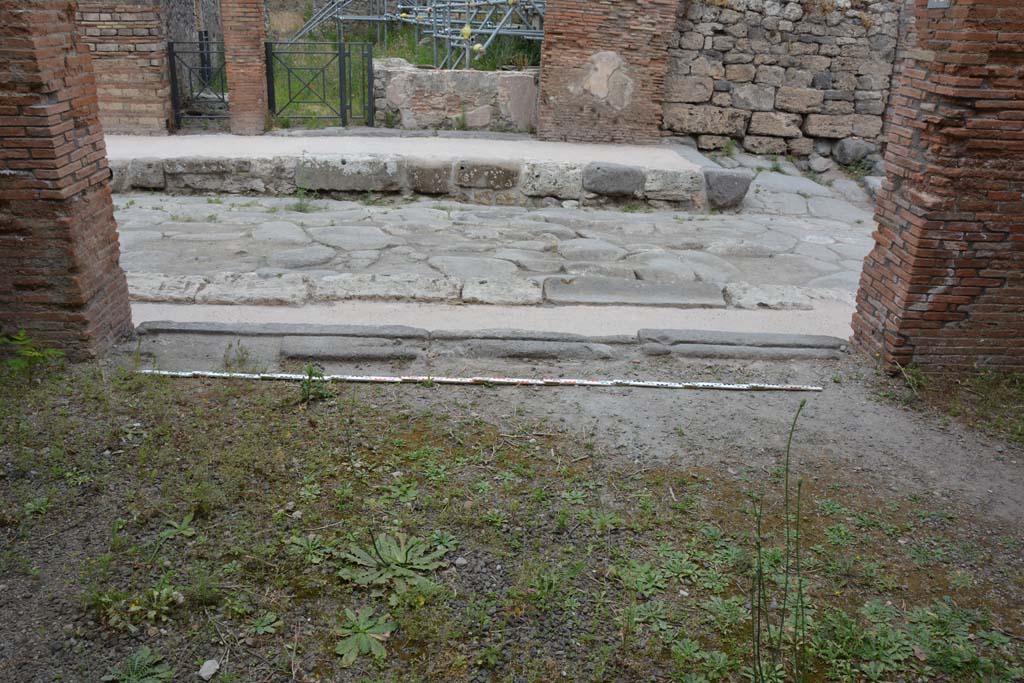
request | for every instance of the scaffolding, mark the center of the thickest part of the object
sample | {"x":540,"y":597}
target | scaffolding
{"x":459,"y":30}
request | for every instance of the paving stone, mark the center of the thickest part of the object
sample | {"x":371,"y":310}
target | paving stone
{"x":207,"y":236}
{"x":535,"y":261}
{"x":165,"y":288}
{"x":853,"y":250}
{"x":411,"y":286}
{"x":616,"y":269}
{"x":851,"y":191}
{"x":708,"y":267}
{"x":763,"y":246}
{"x":848,"y":280}
{"x":353,"y":237}
{"x":830,"y":207}
{"x":773,"y":297}
{"x":250,"y":288}
{"x":873,"y":184}
{"x":130,"y":239}
{"x":776,"y":202}
{"x":302,"y":258}
{"x":502,"y":291}
{"x":613,"y":180}
{"x":664,"y":269}
{"x":779,"y":182}
{"x":280,"y":231}
{"x":472,"y":266}
{"x":598,"y":290}
{"x":590,"y":250}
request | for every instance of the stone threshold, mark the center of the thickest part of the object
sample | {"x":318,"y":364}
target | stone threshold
{"x":297,"y":289}
{"x":296,"y":343}
{"x":480,"y":180}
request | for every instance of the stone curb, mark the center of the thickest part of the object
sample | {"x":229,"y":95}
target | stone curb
{"x":370,"y":343}
{"x":523,"y":182}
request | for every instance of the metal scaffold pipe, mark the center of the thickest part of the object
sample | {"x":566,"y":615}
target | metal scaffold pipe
{"x":465,"y":29}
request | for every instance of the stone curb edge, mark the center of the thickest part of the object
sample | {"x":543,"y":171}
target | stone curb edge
{"x":397,"y":342}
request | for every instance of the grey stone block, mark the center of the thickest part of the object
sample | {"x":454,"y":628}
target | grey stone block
{"x":740,"y":352}
{"x":302,"y":258}
{"x":348,"y":173}
{"x":410,"y":286}
{"x":613,"y":180}
{"x":726,"y":188}
{"x":538,"y":350}
{"x":759,"y":339}
{"x":282,"y":329}
{"x":428,"y":176}
{"x":486,"y":174}
{"x":590,"y":250}
{"x":673,"y":184}
{"x":552,"y":179}
{"x":351,"y":349}
{"x":502,"y":291}
{"x":147,"y":174}
{"x":608,"y":291}
{"x":164,"y":288}
{"x":851,"y":150}
{"x":250,"y":288}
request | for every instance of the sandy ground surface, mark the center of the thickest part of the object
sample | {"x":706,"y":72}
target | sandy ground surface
{"x":847,"y":427}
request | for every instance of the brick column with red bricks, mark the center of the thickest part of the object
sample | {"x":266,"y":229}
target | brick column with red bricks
{"x":244,"y":37}
{"x":944,"y":285}
{"x":603,"y":65}
{"x":59,"y":274}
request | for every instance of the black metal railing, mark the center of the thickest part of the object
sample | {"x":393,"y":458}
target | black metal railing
{"x":199,"y":88}
{"x":321,"y":81}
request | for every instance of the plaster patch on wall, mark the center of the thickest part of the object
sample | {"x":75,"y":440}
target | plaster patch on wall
{"x":606,"y":77}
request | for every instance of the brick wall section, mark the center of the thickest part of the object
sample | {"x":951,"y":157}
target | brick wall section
{"x":244,"y":36}
{"x":129,"y":58}
{"x":603,"y":69}
{"x":944,"y":286}
{"x":59,"y":272}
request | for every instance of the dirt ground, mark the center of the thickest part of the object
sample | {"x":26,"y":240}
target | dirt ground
{"x":853,"y":446}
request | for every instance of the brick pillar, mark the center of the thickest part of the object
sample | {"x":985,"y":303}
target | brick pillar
{"x":603,"y":65}
{"x":944,"y":285}
{"x":129,"y":60}
{"x":59,"y":272}
{"x":244,"y":36}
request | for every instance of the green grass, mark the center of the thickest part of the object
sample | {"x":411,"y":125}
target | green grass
{"x":344,"y":534}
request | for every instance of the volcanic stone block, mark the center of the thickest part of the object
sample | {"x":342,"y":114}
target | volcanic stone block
{"x":348,"y":173}
{"x":488,"y":175}
{"x":613,"y":180}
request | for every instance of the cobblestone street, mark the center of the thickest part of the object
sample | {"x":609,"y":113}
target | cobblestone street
{"x":794,"y":242}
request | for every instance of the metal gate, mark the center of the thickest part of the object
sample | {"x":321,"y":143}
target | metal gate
{"x":330,"y":82}
{"x":198,"y":80}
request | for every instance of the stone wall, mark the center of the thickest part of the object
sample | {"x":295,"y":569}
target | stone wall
{"x":416,"y":98}
{"x":780,"y":75}
{"x":129,"y":57}
{"x":603,"y":68}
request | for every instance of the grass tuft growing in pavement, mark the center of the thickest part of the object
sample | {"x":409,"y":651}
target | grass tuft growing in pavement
{"x":358,"y":536}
